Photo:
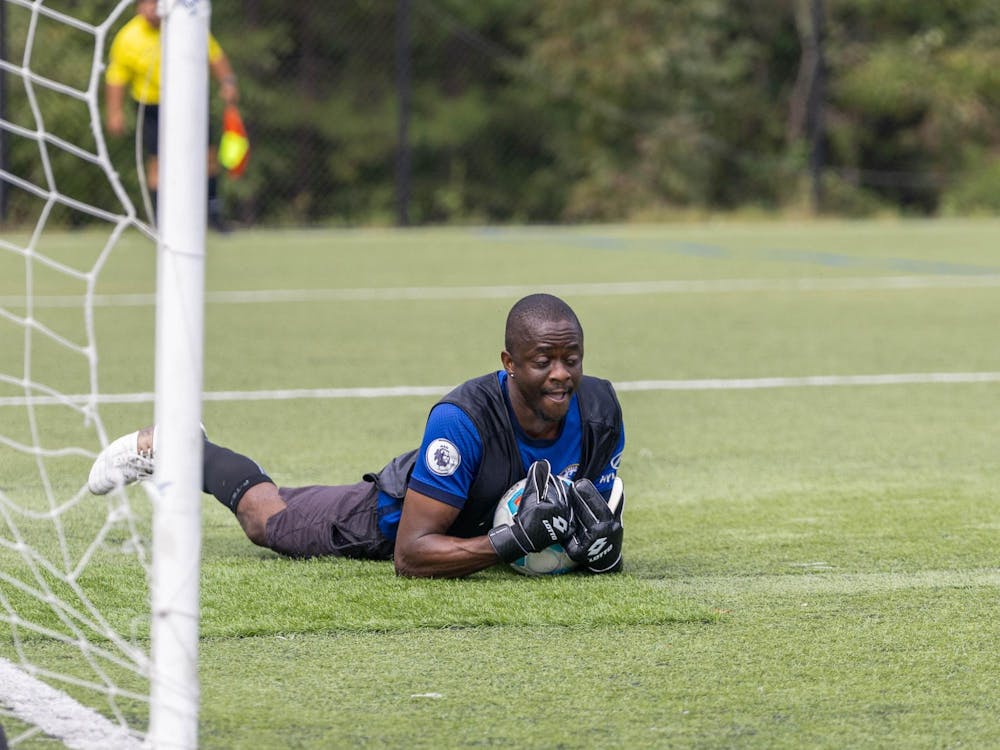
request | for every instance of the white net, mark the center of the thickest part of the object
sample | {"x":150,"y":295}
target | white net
{"x":74,"y":568}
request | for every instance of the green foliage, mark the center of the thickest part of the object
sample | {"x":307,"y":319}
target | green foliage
{"x":978,"y":192}
{"x":566,"y":111}
{"x":58,"y":56}
{"x":911,"y":99}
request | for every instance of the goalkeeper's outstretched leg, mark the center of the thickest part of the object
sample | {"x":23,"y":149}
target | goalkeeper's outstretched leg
{"x":293,"y":521}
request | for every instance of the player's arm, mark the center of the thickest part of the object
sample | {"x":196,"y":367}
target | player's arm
{"x":445,"y":468}
{"x":116,"y":79}
{"x":114,"y":108}
{"x":425,"y":550}
{"x":222,"y":71}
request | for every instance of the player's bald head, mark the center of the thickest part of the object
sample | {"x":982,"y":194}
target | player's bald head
{"x":530,"y":312}
{"x":148,"y":10}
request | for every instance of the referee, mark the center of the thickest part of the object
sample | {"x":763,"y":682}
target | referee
{"x":134,"y":63}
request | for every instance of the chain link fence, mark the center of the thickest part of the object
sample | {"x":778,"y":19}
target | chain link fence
{"x":377,"y":111}
{"x":443,"y":111}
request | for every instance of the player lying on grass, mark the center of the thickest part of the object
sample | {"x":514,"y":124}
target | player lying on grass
{"x":431,"y":509}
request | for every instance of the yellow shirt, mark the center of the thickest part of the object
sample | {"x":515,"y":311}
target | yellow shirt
{"x":135,"y":58}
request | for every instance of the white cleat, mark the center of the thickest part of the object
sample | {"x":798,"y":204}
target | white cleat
{"x":127,"y":460}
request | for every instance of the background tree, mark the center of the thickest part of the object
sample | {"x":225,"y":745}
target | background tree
{"x":575,"y":110}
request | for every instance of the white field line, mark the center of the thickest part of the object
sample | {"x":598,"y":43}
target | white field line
{"x":712,"y":384}
{"x":58,"y":715}
{"x":624,"y":288}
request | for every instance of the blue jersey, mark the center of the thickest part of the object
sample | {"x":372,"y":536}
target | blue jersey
{"x":451,"y":451}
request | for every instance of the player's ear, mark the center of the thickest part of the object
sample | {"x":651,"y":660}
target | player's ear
{"x":507,"y":361}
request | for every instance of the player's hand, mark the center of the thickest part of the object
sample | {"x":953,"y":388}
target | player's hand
{"x":229,"y":92}
{"x":595,"y":540}
{"x":543,"y":518}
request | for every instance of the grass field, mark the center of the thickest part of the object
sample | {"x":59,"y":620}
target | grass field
{"x":809,"y":562}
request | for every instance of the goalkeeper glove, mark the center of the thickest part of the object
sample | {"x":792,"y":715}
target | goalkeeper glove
{"x":543,"y":518}
{"x":595,"y":541}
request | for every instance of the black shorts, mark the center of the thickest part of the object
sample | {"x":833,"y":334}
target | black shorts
{"x":329,"y":520}
{"x":150,"y":114}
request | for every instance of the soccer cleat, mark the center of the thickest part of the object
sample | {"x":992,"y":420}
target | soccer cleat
{"x":124,"y":461}
{"x":215,"y":218}
{"x":220,"y":225}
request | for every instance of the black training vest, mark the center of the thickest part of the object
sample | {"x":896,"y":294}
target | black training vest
{"x":483,"y":401}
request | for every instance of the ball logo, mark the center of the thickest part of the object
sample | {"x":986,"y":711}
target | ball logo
{"x":552,"y":560}
{"x":442,"y":457}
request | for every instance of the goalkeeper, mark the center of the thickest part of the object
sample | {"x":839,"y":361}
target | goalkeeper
{"x":431,"y":509}
{"x":134,"y":63}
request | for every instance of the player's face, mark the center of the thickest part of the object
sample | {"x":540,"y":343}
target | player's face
{"x":547,"y":365}
{"x":147,"y":9}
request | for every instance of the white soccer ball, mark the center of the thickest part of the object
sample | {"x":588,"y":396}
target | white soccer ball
{"x":551,"y":560}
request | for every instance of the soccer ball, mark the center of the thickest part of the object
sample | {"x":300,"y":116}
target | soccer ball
{"x":551,"y":560}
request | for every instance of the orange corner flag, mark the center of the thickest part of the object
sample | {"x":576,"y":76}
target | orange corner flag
{"x":234,"y":148}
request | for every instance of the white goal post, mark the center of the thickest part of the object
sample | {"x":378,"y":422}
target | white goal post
{"x":74,"y":664}
{"x":180,"y":299}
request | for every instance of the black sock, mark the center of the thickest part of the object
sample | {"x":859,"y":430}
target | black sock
{"x":214,"y":204}
{"x":228,"y":475}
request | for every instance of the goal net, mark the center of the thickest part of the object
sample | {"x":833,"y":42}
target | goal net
{"x":98,"y":595}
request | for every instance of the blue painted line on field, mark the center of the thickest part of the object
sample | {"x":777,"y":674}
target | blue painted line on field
{"x":939,"y":267}
{"x":830,"y":260}
{"x":719,"y":252}
{"x":909,"y":265}
{"x":700,"y":250}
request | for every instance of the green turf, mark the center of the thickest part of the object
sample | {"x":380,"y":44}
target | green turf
{"x":805,"y":566}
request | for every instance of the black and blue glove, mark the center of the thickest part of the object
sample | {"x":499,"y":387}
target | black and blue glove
{"x":595,"y":540}
{"x":544,"y":516}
